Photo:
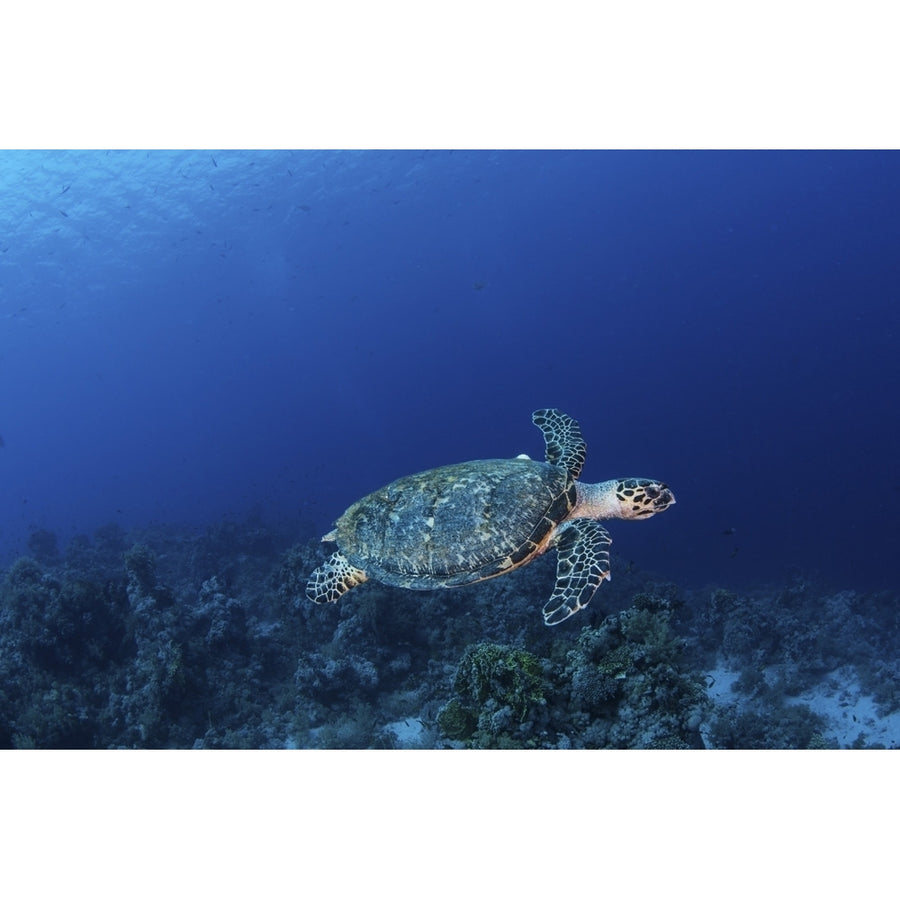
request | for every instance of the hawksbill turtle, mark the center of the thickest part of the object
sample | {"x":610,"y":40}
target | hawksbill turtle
{"x":471,"y":521}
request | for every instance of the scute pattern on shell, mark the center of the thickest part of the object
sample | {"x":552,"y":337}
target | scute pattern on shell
{"x":456,"y":524}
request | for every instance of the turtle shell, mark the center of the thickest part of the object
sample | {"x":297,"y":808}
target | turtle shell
{"x":456,"y":524}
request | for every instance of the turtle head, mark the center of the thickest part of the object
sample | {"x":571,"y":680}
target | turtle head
{"x":640,"y":498}
{"x":622,"y":498}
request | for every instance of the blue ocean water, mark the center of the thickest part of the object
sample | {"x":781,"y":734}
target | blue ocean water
{"x":196,"y":334}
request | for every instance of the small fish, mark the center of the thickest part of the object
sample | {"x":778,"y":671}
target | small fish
{"x":214,"y":162}
{"x":64,"y":214}
{"x":64,"y":189}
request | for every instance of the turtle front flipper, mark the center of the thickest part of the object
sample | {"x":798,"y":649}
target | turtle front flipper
{"x":562,"y":435}
{"x":333,"y":579}
{"x":582,"y":564}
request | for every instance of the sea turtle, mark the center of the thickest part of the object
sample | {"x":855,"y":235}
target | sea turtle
{"x":464,"y":523}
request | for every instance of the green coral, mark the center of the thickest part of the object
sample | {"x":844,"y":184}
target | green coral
{"x":617,"y":662}
{"x":509,"y":676}
{"x":456,"y":721}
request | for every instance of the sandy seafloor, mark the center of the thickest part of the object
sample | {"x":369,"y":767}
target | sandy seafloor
{"x":852,"y":716}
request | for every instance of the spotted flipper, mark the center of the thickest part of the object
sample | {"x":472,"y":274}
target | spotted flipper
{"x":565,"y":446}
{"x":333,"y":579}
{"x":582,"y":564}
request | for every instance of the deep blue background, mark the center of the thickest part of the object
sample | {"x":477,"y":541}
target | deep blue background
{"x":186,"y":335}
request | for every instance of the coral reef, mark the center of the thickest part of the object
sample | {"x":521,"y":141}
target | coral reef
{"x":630,"y":681}
{"x":167,"y":638}
{"x":500,"y":689}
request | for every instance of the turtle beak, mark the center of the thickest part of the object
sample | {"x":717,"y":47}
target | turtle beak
{"x":666,"y":498}
{"x":661,"y":496}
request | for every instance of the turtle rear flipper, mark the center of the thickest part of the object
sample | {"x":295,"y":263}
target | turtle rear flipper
{"x":582,"y":564}
{"x":333,"y":579}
